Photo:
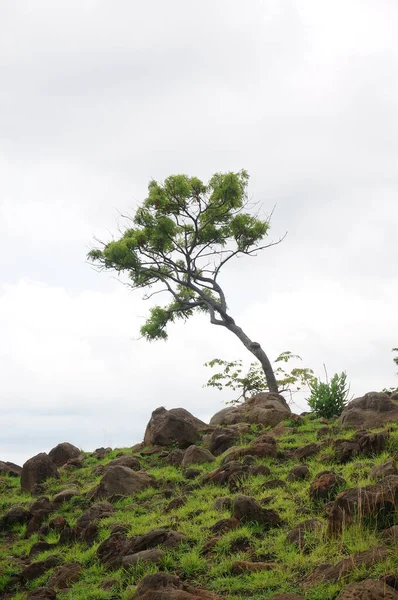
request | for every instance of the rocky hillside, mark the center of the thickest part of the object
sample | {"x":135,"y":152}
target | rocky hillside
{"x":261,"y":503}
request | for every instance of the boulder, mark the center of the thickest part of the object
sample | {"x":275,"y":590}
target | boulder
{"x":121,"y":481}
{"x":345,"y":450}
{"x":165,"y":428}
{"x":37,"y":569}
{"x":150,"y":556}
{"x":384,"y":470}
{"x":36,"y":470}
{"x":244,"y":566}
{"x":390,"y":534}
{"x":265,"y":408}
{"x":194,"y":455}
{"x":287,"y":596}
{"x":224,"y":525}
{"x":42,"y":503}
{"x":297,"y":535}
{"x":263,"y":447}
{"x":326,"y":486}
{"x":164,"y":586}
{"x":182,"y":413}
{"x":65,"y":575}
{"x":42,"y":593}
{"x":62,"y":453}
{"x":39,"y":547}
{"x":15,"y":516}
{"x":64,"y":496}
{"x":247,"y":510}
{"x":116,"y":547}
{"x":101,"y":453}
{"x":221,"y":439}
{"x":306,"y":451}
{"x":8,"y":468}
{"x":298,"y":473}
{"x":371,"y":410}
{"x":174,"y":458}
{"x":331,"y":573}
{"x":377,"y":502}
{"x":371,"y":444}
{"x":370,"y":589}
{"x":96,"y":512}
{"x":222,"y":503}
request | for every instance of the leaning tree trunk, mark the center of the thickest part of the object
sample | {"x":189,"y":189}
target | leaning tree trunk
{"x":255,"y":348}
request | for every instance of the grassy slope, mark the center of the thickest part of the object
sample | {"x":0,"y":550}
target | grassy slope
{"x":146,"y":511}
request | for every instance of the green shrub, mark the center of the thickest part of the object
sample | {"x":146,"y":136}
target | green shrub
{"x":328,"y":399}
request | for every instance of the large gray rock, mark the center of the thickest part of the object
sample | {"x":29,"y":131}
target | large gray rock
{"x":265,"y":408}
{"x":371,"y":410}
{"x":166,"y":428}
{"x":121,"y":481}
{"x":63,"y":452}
{"x":36,"y":470}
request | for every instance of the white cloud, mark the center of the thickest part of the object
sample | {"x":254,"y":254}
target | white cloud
{"x":95,"y":101}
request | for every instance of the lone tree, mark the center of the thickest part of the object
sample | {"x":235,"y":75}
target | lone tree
{"x":181,"y":237}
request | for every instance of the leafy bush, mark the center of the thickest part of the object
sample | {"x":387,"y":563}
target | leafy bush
{"x":328,"y":399}
{"x":254,"y":381}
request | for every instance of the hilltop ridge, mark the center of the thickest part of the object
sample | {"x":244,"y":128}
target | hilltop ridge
{"x":258,"y":504}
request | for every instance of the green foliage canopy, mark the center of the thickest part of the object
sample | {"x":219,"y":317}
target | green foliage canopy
{"x":181,"y":237}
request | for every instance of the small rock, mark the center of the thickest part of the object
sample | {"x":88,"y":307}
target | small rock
{"x":390,"y":534}
{"x":225,"y":525}
{"x":64,"y":496}
{"x":175,"y":457}
{"x":191,"y":473}
{"x":245,"y":566}
{"x":125,"y":461}
{"x":222,"y":439}
{"x":164,"y":586}
{"x":37,"y":569}
{"x":153,"y":556}
{"x":247,"y":510}
{"x":223,"y":503}
{"x":369,"y":589}
{"x":326,"y":486}
{"x":297,"y":535}
{"x":274,"y":483}
{"x":384,"y":470}
{"x":65,"y":575}
{"x":307,"y":451}
{"x":42,"y":593}
{"x":298,"y":473}
{"x":195,"y":456}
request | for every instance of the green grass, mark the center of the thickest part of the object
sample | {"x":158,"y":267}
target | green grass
{"x":212,"y":570}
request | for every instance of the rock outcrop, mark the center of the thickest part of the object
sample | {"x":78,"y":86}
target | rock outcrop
{"x":265,"y":408}
{"x":166,"y":428}
{"x":374,"y":409}
{"x":36,"y":470}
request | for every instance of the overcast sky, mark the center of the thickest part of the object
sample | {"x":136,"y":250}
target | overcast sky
{"x":97,"y":98}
